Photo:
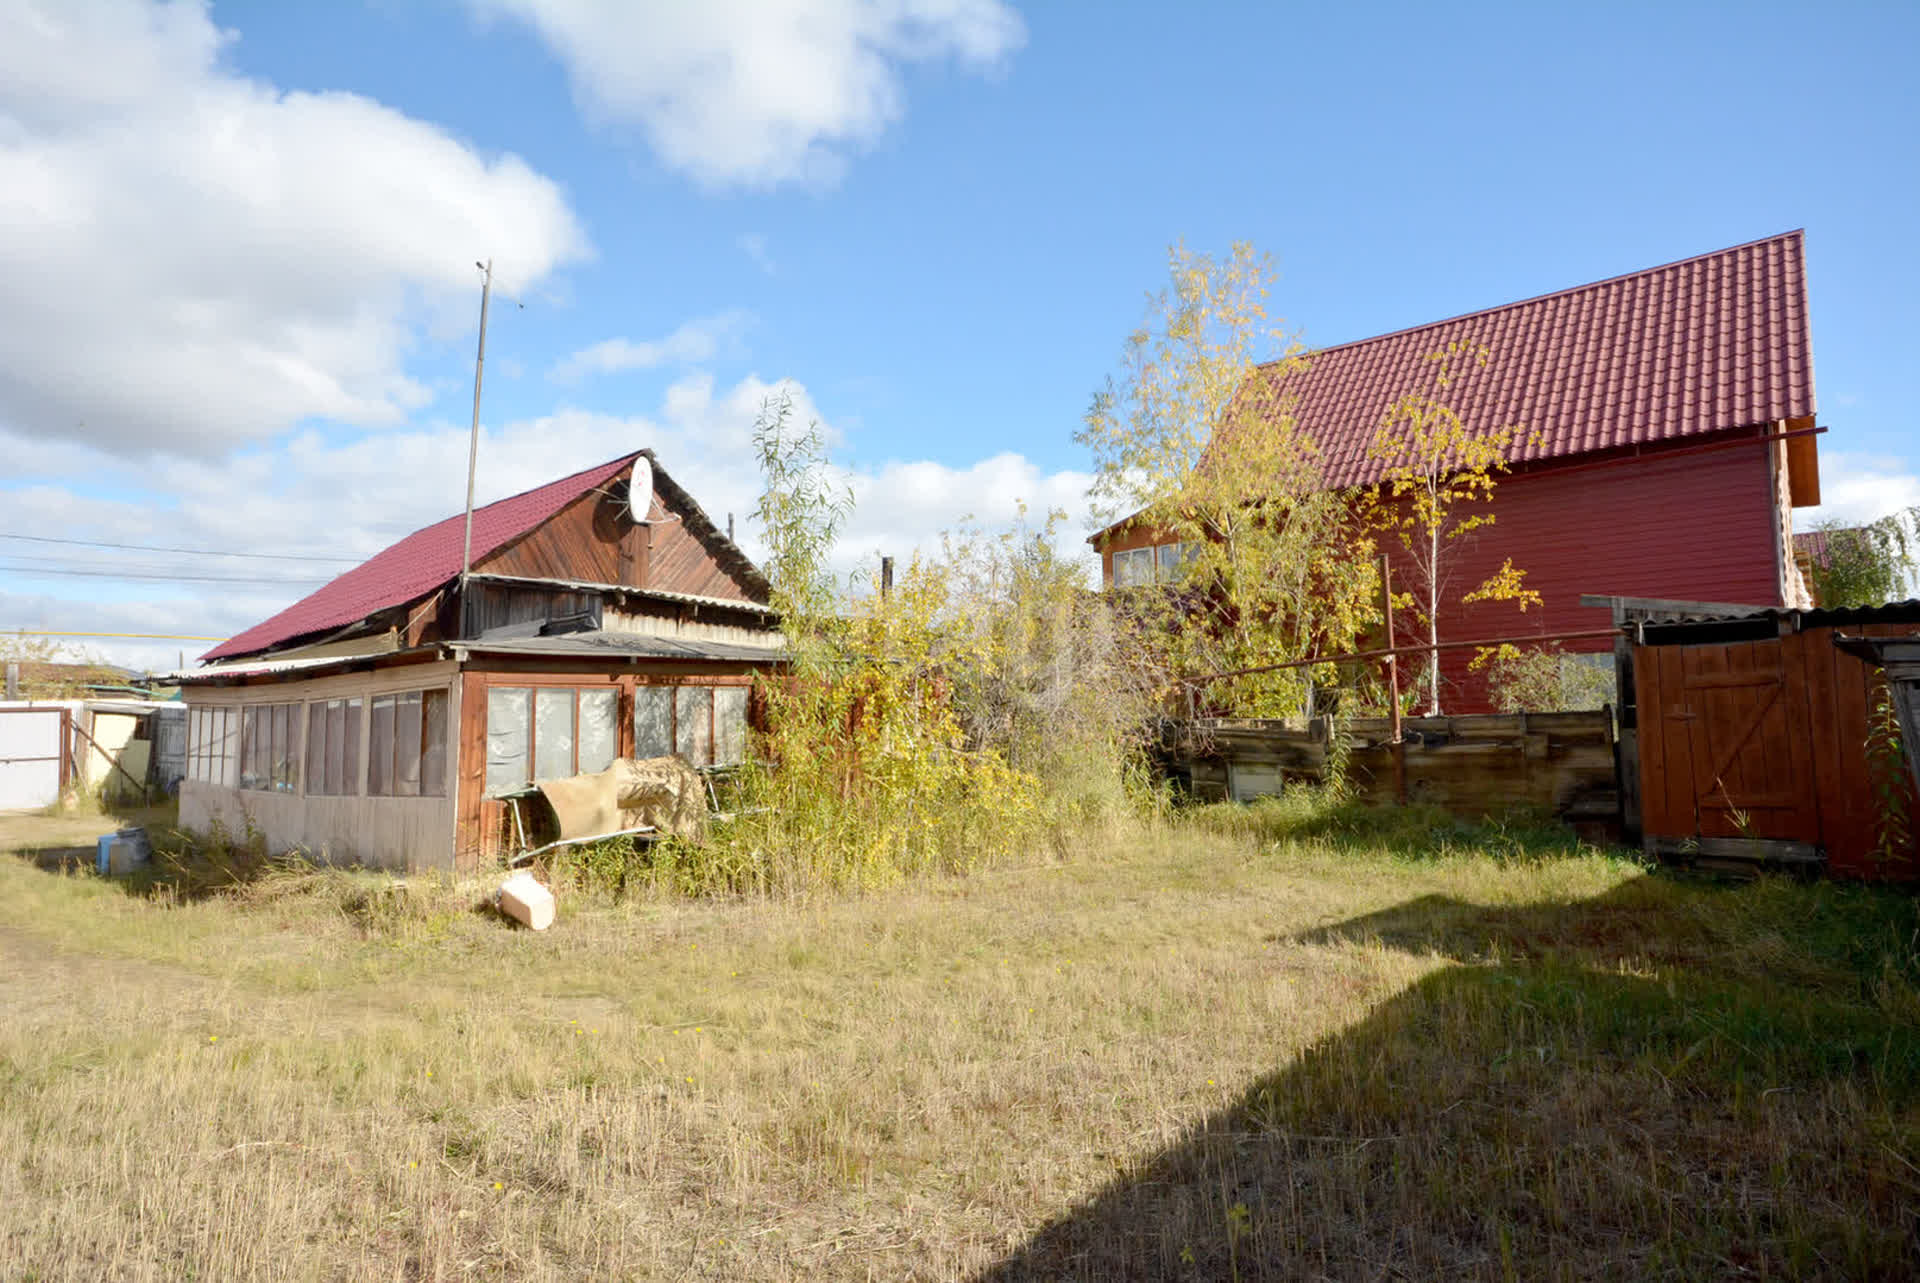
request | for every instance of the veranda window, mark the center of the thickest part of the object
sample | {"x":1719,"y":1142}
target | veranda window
{"x":707,"y":725}
{"x":407,"y":744}
{"x":333,"y":748}
{"x":549,"y":732}
{"x":270,"y":747}
{"x":213,"y":746}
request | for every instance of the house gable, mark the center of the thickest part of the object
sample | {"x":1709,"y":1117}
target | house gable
{"x":593,"y":540}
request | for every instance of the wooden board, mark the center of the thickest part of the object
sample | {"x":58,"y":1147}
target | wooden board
{"x":590,"y":541}
{"x":1473,"y":765}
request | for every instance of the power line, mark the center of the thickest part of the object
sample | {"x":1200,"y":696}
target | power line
{"x":28,"y":632}
{"x":34,"y":572}
{"x":20,"y":560}
{"x":198,"y":552}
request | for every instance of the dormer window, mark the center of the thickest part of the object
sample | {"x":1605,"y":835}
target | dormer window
{"x":1162,"y":564}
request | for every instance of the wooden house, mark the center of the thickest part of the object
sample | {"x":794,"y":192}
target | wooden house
{"x":381,"y":718}
{"x":1667,"y":425}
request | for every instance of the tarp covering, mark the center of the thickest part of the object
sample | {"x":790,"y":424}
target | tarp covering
{"x":662,"y":792}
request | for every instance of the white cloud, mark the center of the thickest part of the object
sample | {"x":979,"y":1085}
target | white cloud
{"x":194,"y":260}
{"x":756,"y":92}
{"x":315,"y":496}
{"x":1858,"y":488}
{"x":694,"y":342}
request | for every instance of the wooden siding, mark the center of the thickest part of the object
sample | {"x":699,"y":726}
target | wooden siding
{"x":684,"y":561}
{"x":692,"y":623}
{"x":1700,"y":526}
{"x":590,"y":540}
{"x":586,"y":540}
{"x":1697,"y":527}
{"x":380,"y":832}
{"x":1766,"y":740}
{"x":491,"y":605}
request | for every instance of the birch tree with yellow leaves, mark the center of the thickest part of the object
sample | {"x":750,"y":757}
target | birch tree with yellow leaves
{"x":1196,"y":441}
{"x":1436,"y":486}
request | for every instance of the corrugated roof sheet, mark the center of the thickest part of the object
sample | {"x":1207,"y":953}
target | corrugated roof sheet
{"x":608,"y":645}
{"x":417,"y":564}
{"x":1681,"y":614}
{"x":1705,"y":344}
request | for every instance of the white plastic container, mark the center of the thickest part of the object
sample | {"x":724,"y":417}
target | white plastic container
{"x":523,"y":899}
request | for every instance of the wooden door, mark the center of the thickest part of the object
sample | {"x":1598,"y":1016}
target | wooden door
{"x":1724,"y":744}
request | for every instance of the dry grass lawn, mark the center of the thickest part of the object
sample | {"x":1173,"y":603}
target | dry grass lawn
{"x":1262,"y":1045}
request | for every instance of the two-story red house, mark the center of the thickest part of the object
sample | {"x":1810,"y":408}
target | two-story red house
{"x":1669,"y":418}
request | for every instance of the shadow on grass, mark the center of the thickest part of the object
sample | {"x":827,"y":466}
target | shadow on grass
{"x":1665,"y":1082}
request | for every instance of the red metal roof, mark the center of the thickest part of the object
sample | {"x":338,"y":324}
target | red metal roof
{"x":1705,"y":344}
{"x":418,"y":564}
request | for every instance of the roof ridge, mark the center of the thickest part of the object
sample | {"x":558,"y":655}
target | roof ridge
{"x":1310,"y":353}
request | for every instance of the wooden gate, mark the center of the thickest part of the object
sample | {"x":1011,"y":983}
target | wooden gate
{"x":1724,"y":745}
{"x":1759,"y":748}
{"x":34,"y":756}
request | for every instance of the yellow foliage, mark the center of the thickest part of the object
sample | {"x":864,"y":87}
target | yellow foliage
{"x":1437,"y":481}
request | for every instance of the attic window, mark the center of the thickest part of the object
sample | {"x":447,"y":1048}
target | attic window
{"x":1161,"y":564}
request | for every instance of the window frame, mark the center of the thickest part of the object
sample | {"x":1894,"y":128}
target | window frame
{"x":351,"y":725}
{"x":396,"y":771}
{"x":531,"y":730}
{"x":1148,"y":564}
{"x":713,"y":739}
{"x":213,"y":744}
{"x":285,"y":734}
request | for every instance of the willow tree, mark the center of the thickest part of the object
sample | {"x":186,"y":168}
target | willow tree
{"x":1867,"y":565}
{"x":1196,"y":441}
{"x":1437,"y":476}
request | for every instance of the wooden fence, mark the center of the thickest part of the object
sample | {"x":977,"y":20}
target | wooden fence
{"x":1473,"y":765}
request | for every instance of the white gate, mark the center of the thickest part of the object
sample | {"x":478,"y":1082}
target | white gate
{"x":33,"y":749}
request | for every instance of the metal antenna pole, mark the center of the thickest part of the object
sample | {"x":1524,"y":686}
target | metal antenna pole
{"x":473,"y":444}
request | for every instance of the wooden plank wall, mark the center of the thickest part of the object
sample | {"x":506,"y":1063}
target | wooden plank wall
{"x":590,"y":541}
{"x":1473,"y":765}
{"x":492,"y":605}
{"x":1796,"y":768}
{"x":682,"y":561}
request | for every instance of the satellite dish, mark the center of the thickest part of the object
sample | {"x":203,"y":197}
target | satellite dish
{"x":640,"y":490}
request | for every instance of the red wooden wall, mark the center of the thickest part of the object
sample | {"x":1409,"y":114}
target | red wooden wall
{"x":1767,"y":739}
{"x":1693,"y":527}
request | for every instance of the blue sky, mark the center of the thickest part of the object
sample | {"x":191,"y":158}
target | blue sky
{"x":244,"y":300}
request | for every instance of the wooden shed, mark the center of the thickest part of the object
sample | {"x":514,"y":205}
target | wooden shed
{"x":1767,"y":736}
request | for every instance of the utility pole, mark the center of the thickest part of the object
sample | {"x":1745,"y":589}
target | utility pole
{"x":473,"y":443}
